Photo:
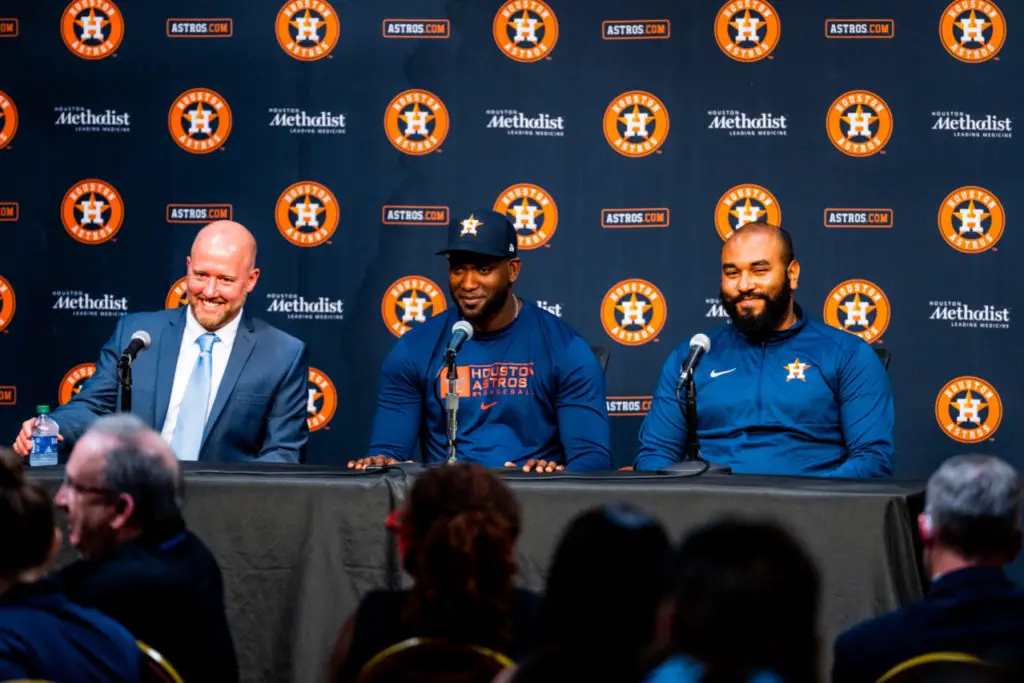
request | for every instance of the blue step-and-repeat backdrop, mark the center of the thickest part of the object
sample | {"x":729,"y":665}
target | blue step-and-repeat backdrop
{"x":625,"y":139}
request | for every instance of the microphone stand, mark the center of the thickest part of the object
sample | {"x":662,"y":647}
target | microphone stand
{"x":124,"y":377}
{"x":692,"y":449}
{"x":451,"y":407}
{"x":693,"y":463}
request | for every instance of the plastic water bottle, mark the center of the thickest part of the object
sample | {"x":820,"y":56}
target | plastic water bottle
{"x":44,"y":440}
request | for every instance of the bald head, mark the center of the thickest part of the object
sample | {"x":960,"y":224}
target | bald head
{"x":762,"y":233}
{"x":221,"y":273}
{"x":226,"y":238}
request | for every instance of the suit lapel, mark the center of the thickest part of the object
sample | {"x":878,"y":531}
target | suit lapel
{"x":240,"y":351}
{"x":167,"y":362}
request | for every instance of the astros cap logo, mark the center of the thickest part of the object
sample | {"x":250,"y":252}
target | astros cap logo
{"x":968,"y":409}
{"x":8,"y":119}
{"x":74,"y":381}
{"x":409,"y":302}
{"x":971,"y":219}
{"x":322,"y":400}
{"x":469,"y":226}
{"x":859,"y":307}
{"x":307,"y":30}
{"x":416,"y":122}
{"x":972,"y":31}
{"x":7,"y":303}
{"x":177,"y":295}
{"x":636,"y":123}
{"x":633,"y":312}
{"x":742,"y":204}
{"x":532,"y":212}
{"x":92,"y":29}
{"x":859,"y":123}
{"x":526,"y":31}
{"x":92,"y":211}
{"x":747,"y":31}
{"x":307,"y":214}
{"x":199,"y":120}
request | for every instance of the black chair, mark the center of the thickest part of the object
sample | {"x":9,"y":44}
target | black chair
{"x":945,"y":667}
{"x":603,"y":356}
{"x":884,"y":355}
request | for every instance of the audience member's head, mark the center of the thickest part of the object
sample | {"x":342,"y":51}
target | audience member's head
{"x":459,"y":528}
{"x":29,"y":539}
{"x":746,"y":600}
{"x":972,"y":514}
{"x":121,"y":481}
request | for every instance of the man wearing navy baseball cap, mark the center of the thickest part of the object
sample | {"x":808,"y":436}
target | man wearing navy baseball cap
{"x":531,"y":392}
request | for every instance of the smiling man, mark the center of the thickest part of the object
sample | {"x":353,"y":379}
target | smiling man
{"x":531,"y":392}
{"x":777,"y":393}
{"x":217,"y":383}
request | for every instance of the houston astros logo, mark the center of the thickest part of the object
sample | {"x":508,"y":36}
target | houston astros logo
{"x":7,"y":303}
{"x":469,"y":226}
{"x":636,"y":123}
{"x":92,"y":29}
{"x":307,"y":214}
{"x":199,"y":121}
{"x":409,"y":302}
{"x":73,"y":381}
{"x":971,"y":219}
{"x":968,"y":409}
{"x":532,"y":211}
{"x":307,"y":29}
{"x":859,"y":123}
{"x":859,"y":307}
{"x":745,"y":204}
{"x":8,"y":119}
{"x":322,"y":400}
{"x":633,"y":312}
{"x":416,"y":122}
{"x":747,"y":30}
{"x":796,"y":370}
{"x":177,"y":295}
{"x":525,"y":30}
{"x":972,"y":30}
{"x":92,"y":211}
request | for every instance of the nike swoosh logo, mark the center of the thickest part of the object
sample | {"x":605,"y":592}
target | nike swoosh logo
{"x":715,"y":374}
{"x":488,"y":406}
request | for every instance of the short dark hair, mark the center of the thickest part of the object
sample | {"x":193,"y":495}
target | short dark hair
{"x":26,"y":518}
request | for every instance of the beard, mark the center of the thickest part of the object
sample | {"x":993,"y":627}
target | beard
{"x":759,"y":325}
{"x":491,"y":306}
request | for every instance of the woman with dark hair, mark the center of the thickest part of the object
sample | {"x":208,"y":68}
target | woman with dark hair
{"x":746,"y":605}
{"x":456,"y":535}
{"x":606,"y":581}
{"x":42,"y":635}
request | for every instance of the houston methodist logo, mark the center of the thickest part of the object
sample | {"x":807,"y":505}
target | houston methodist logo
{"x":971,"y":219}
{"x":322,"y":400}
{"x":532,"y":211}
{"x":525,"y":30}
{"x":7,"y":303}
{"x":416,"y":122}
{"x":307,"y":29}
{"x":968,"y":409}
{"x":745,"y":204}
{"x":8,"y":119}
{"x":633,"y":312}
{"x":636,"y":123}
{"x":74,"y":381}
{"x":92,"y":211}
{"x":747,"y":30}
{"x":859,"y":123}
{"x":177,"y":295}
{"x":92,"y":29}
{"x":490,"y":380}
{"x":859,"y":307}
{"x":199,"y":121}
{"x":307,"y":214}
{"x":972,"y":30}
{"x":409,"y":301}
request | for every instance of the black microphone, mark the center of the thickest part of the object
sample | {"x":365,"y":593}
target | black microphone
{"x":699,"y":345}
{"x":140,"y":342}
{"x":462,"y":332}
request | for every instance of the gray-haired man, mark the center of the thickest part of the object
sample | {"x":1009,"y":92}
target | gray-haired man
{"x":970,"y":529}
{"x":142,"y":566}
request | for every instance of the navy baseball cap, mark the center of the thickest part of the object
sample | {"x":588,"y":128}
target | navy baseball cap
{"x":483,"y":231}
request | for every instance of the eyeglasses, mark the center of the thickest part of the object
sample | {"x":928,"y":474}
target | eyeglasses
{"x":70,"y":483}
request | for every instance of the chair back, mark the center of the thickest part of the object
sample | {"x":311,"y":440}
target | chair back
{"x":156,"y":669}
{"x":434,"y":660}
{"x":945,"y":667}
{"x":603,"y":356}
{"x":884,"y":355}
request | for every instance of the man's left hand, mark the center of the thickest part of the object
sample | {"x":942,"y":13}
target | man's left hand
{"x":539,"y":466}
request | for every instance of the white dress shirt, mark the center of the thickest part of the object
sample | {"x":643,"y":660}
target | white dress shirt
{"x":188,"y":356}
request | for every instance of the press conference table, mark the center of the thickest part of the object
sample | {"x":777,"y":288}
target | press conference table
{"x":299,"y":545}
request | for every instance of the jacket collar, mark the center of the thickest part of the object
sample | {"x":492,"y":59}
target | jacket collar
{"x":42,"y":591}
{"x":777,"y":336}
{"x":966,"y":578}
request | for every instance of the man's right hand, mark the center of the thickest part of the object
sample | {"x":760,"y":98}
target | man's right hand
{"x":23,"y":444}
{"x":375,"y":461}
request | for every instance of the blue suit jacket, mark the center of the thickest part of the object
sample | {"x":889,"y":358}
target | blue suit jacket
{"x":259,"y":413}
{"x":976,"y":610}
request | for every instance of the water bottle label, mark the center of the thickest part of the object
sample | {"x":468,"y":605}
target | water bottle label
{"x":44,"y":451}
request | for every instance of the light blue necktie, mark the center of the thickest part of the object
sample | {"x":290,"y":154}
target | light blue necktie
{"x":188,"y":432}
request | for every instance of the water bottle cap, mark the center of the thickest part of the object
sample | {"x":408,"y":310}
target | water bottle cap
{"x":42,"y":409}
